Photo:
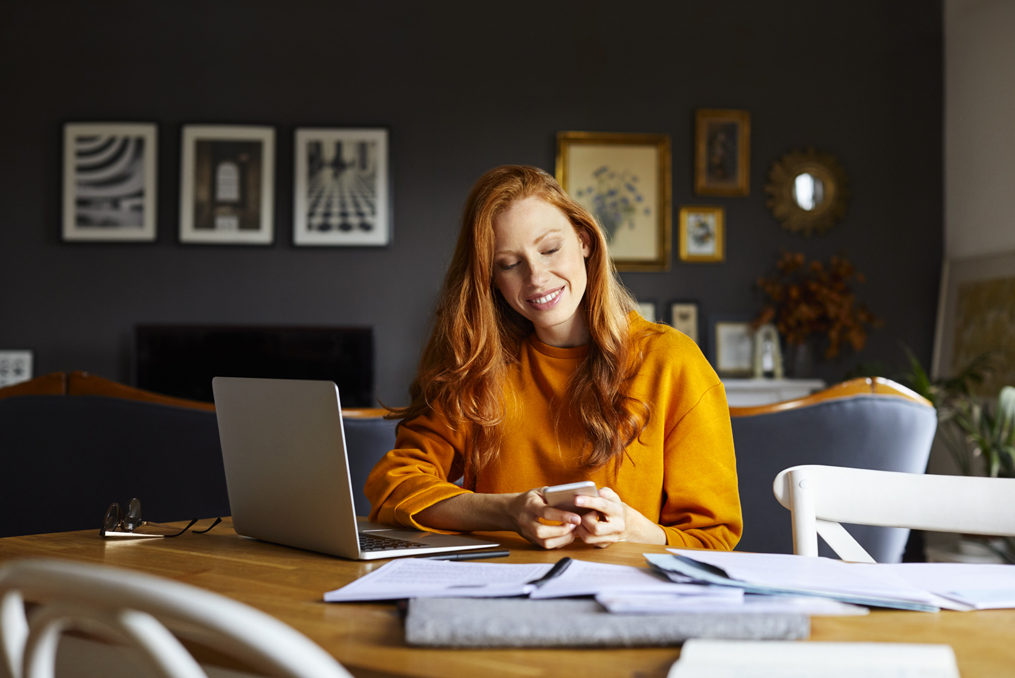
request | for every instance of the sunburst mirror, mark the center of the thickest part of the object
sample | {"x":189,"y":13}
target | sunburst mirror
{"x":807,"y":191}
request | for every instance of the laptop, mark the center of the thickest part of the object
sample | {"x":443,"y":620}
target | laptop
{"x":287,"y":473}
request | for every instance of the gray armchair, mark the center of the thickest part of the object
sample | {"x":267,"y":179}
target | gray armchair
{"x":864,"y":423}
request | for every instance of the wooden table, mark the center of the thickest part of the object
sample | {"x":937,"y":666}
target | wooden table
{"x":368,"y":640}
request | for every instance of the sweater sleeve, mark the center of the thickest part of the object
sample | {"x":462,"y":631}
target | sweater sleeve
{"x":416,"y":474}
{"x":701,"y":502}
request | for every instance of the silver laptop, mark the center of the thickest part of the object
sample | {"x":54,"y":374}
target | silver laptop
{"x":287,"y":472}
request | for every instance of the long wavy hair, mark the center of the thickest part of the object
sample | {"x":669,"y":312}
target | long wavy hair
{"x":476,"y":335}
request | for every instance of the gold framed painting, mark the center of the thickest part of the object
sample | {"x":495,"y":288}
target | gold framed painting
{"x":722,"y":156}
{"x":624,"y":181}
{"x":976,"y":316}
{"x":702,"y":235}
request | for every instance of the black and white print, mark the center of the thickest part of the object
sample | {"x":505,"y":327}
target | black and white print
{"x":341,"y":193}
{"x":109,"y":181}
{"x":227,"y":185}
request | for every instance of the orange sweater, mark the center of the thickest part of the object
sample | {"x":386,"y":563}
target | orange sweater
{"x":680,"y":472}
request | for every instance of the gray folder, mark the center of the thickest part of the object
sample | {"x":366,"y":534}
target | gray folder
{"x":513,"y":622}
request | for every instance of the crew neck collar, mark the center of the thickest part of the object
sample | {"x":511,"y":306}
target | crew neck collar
{"x":573,"y":352}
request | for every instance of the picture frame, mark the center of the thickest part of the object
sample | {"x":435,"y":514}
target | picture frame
{"x":342,"y":187}
{"x":732,"y":347}
{"x":976,"y":315}
{"x":15,"y":367}
{"x":624,"y":181}
{"x":722,"y":152}
{"x":227,"y":185}
{"x":702,"y":236}
{"x":647,"y":310}
{"x":684,"y":318}
{"x":109,"y":181}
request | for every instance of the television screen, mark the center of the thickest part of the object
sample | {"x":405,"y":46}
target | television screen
{"x":181,"y":360}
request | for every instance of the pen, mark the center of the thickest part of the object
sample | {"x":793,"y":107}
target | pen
{"x":468,"y":555}
{"x":555,"y":571}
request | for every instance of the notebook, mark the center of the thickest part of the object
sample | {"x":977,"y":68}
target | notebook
{"x":287,"y":473}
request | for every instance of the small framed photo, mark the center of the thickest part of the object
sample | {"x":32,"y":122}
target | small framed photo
{"x":684,"y":317}
{"x":702,"y":234}
{"x":624,"y":181}
{"x":109,"y":181}
{"x":227,"y":185}
{"x":15,"y":367}
{"x":722,"y":157}
{"x":342,"y":192}
{"x":647,"y":310}
{"x":733,"y":348}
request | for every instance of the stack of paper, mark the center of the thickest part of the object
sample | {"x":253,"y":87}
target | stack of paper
{"x":584,"y":578}
{"x":780,"y":659}
{"x":907,"y":586}
{"x":421,"y":578}
{"x":639,"y":603}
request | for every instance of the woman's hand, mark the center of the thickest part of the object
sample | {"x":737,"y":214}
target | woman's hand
{"x":611,"y":520}
{"x":527,"y":508}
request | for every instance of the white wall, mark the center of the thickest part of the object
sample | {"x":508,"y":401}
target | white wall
{"x":979,"y":127}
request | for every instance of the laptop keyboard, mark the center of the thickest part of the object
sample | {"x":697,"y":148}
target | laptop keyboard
{"x":373,"y":542}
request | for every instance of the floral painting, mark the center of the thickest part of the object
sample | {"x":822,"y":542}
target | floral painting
{"x":614,"y":199}
{"x":623,"y":180}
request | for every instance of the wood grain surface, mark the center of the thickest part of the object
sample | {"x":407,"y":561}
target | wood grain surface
{"x":368,"y":640}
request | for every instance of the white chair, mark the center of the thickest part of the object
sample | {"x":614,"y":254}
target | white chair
{"x":131,"y":614}
{"x":821,"y":497}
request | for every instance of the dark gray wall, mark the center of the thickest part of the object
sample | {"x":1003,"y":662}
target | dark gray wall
{"x":463,"y":87}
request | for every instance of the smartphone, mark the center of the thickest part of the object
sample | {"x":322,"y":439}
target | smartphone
{"x":562,"y":496}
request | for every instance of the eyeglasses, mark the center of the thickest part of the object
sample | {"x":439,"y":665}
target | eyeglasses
{"x":118,"y":523}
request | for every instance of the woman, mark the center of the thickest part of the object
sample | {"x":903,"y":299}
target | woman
{"x":537,"y":373}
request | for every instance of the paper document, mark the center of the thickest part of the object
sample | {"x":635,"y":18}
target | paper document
{"x":980,"y":586}
{"x":796,"y":575}
{"x":584,"y":578}
{"x":790,"y":571}
{"x":738,"y":603}
{"x":421,"y":578}
{"x":782,"y":659}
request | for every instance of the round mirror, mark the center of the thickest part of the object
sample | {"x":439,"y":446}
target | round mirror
{"x":807,"y":191}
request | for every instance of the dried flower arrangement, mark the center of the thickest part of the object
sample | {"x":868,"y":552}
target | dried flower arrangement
{"x":806,"y":299}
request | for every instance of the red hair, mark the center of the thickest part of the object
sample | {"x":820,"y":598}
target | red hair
{"x":477,"y":336}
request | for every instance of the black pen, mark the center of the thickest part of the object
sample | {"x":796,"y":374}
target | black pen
{"x":555,"y":571}
{"x":468,"y":555}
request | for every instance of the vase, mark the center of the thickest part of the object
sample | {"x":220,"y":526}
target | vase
{"x":800,"y":360}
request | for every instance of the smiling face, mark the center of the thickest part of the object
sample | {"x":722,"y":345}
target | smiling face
{"x":539,"y":267}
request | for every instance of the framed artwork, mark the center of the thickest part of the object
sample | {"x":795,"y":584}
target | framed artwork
{"x":733,"y":348}
{"x":722,"y":152}
{"x":227,"y":185}
{"x":976,"y":315}
{"x":624,"y":181}
{"x":702,"y":234}
{"x":15,"y":367}
{"x":684,"y":317}
{"x":109,"y":181}
{"x":342,"y":192}
{"x":647,"y":309}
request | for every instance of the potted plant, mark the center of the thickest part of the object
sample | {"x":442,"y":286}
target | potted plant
{"x":979,"y":437}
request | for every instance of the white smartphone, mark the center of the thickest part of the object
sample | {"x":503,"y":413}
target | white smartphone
{"x":562,"y":496}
